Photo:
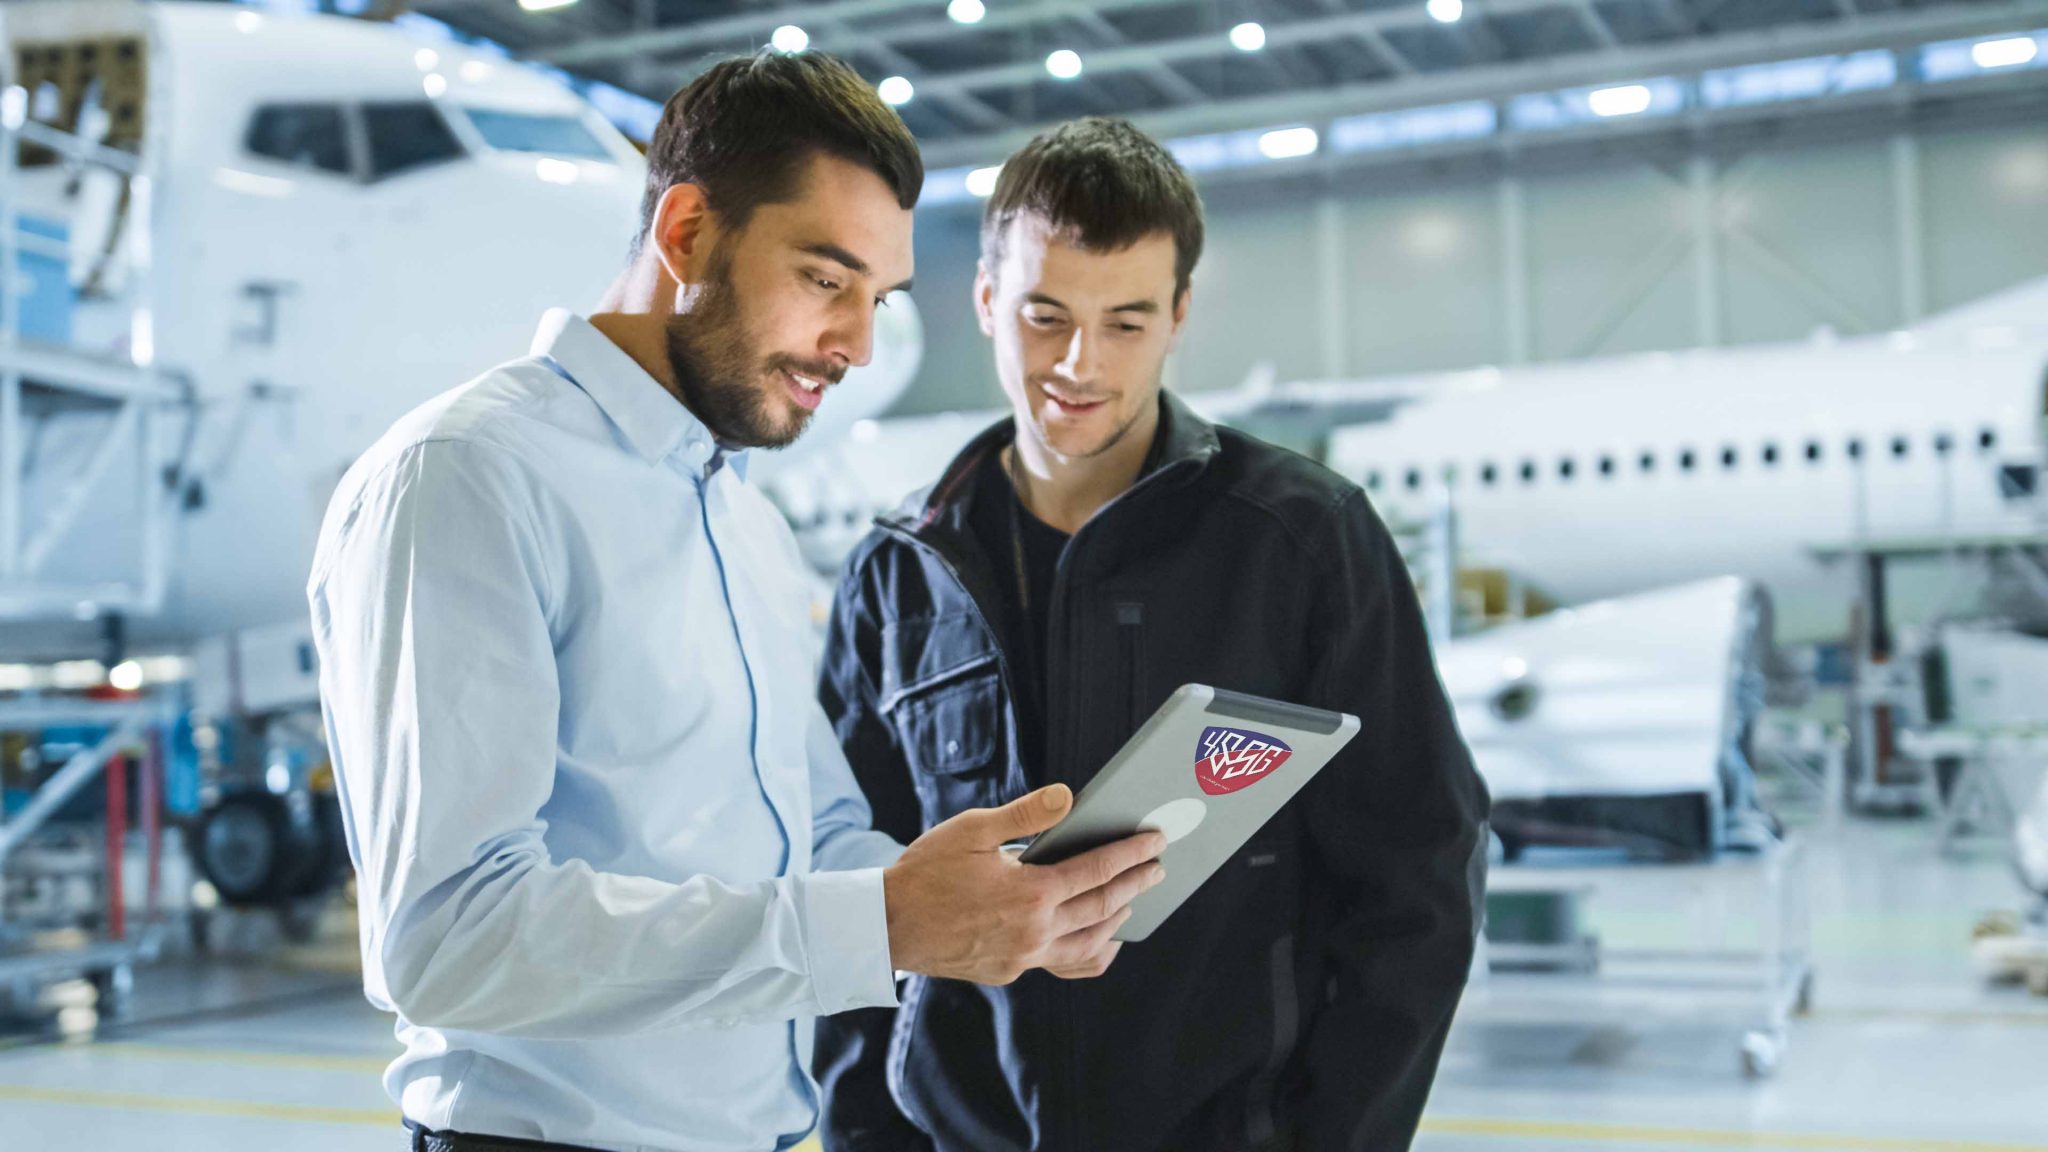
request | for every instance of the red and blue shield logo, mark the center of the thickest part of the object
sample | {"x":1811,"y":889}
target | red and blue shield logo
{"x":1232,"y":759}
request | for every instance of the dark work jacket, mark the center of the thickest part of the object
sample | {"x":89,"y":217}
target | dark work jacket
{"x":1300,"y":998}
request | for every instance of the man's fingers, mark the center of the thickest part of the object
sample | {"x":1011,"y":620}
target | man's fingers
{"x":1098,"y":904}
{"x":1091,"y":967}
{"x":1083,"y":952}
{"x":1027,"y":815}
{"x":1098,"y":866}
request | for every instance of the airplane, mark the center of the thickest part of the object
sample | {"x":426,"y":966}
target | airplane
{"x":250,"y":241}
{"x":1603,"y":478}
{"x":338,"y":221}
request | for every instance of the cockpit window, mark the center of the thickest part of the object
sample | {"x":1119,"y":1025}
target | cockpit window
{"x":529,"y":132}
{"x":408,"y":135}
{"x":308,"y":135}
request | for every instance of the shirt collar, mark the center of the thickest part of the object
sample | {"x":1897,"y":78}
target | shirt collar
{"x":652,"y":420}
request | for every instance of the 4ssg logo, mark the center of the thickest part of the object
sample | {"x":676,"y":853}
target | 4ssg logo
{"x":1230,"y":759}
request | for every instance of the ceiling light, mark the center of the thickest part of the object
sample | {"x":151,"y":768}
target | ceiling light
{"x":544,"y":5}
{"x":1288,"y":143}
{"x":981,"y":183}
{"x":1248,"y":37}
{"x":475,"y":71}
{"x":435,"y":84}
{"x":1446,"y":11}
{"x":556,"y":171}
{"x":1626,"y":100}
{"x":126,"y":676}
{"x":247,"y":21}
{"x":2004,"y":53}
{"x":896,"y":91}
{"x":966,"y":11}
{"x":425,"y":59}
{"x":1065,"y":64}
{"x":790,"y":39}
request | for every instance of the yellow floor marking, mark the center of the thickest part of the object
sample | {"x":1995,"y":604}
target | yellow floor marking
{"x":1701,"y":1137}
{"x":200,"y":1106}
{"x":204,"y":1055}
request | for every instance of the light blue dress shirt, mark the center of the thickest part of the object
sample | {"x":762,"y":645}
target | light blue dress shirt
{"x":611,"y":859}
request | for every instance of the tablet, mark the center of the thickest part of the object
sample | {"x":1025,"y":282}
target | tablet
{"x":1207,"y":770}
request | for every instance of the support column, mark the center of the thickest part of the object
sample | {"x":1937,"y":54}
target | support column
{"x":1706,"y":263}
{"x":1514,"y":265}
{"x":1910,"y":226}
{"x":1330,"y":283}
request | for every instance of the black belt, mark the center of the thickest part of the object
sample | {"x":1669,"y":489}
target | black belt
{"x":425,"y":1139}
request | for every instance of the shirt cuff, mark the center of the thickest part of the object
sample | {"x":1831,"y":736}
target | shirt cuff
{"x":846,"y":936}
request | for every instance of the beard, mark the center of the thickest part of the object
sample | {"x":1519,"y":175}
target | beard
{"x":725,"y":381}
{"x":1116,"y":436}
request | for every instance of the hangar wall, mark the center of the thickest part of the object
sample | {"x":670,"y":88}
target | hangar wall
{"x":1483,"y":260}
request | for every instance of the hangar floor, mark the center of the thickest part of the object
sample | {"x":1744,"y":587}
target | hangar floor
{"x":1906,"y":1049}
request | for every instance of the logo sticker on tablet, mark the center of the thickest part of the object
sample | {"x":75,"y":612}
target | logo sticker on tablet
{"x":1230,"y":759}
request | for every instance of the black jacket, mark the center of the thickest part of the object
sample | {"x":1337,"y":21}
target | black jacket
{"x":1300,"y":999}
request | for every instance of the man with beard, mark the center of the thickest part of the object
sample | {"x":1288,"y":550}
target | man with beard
{"x":1016,"y":623}
{"x":611,"y":860}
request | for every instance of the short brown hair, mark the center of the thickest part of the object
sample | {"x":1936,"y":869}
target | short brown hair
{"x":744,"y":130}
{"x":1104,"y":183}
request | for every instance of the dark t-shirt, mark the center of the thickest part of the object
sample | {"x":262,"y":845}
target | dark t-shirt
{"x":991,"y":515}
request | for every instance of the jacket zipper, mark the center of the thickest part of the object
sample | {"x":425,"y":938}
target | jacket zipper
{"x":1070,"y":1082}
{"x":1130,"y":620}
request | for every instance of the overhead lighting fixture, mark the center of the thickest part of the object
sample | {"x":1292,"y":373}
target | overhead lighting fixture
{"x":475,"y":71}
{"x":425,"y":59}
{"x":247,"y":21}
{"x":981,"y":183}
{"x":2005,"y":53}
{"x":1288,"y":143}
{"x":1446,"y":11}
{"x":790,"y":39}
{"x":1627,"y":100}
{"x":966,"y":11}
{"x":1064,"y":64}
{"x":435,"y":84}
{"x":126,"y":676}
{"x":1249,"y":36}
{"x":896,"y":91}
{"x":544,"y":5}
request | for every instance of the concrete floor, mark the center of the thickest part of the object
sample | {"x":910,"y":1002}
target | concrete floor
{"x":1906,"y":1048}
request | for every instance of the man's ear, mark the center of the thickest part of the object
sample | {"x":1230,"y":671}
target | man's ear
{"x":1180,"y":315}
{"x":683,"y":233}
{"x":985,"y":298}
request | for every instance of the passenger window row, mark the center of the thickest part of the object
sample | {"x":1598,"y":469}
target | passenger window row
{"x":1687,"y":461}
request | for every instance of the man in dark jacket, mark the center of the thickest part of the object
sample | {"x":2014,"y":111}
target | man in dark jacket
{"x":1016,"y":623}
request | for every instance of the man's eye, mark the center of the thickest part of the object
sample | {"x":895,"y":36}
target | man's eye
{"x":827,"y":285}
{"x":1130,"y":328}
{"x":1042,"y":320}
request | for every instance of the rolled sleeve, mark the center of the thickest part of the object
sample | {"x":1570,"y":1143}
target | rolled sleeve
{"x":846,"y":933}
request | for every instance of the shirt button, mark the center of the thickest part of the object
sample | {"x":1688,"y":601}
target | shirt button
{"x":952,"y":747}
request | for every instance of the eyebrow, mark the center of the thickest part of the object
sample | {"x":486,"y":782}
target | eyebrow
{"x":826,"y":250}
{"x":1145,"y":306}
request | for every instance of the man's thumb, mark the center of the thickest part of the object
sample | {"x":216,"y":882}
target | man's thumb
{"x":1031,"y":814}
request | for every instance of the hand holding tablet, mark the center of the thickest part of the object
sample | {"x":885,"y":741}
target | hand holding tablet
{"x":1208,"y":770}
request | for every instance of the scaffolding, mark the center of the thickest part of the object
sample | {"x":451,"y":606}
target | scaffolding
{"x":132,"y":469}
